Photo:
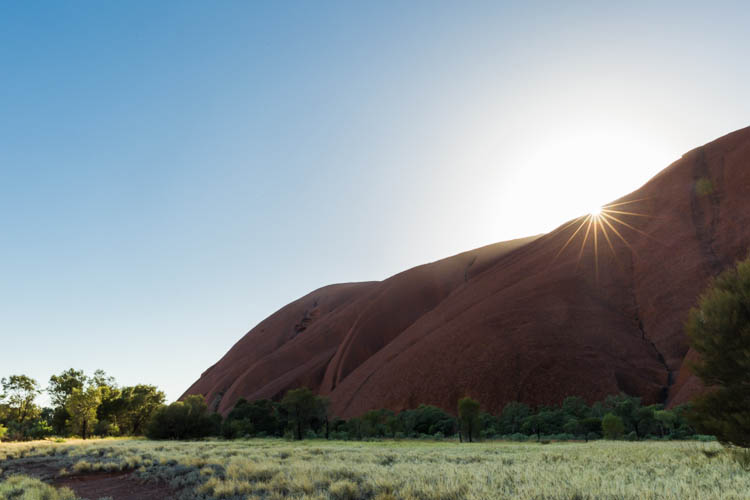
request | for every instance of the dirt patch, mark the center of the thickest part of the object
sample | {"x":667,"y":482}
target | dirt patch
{"x":118,"y":486}
{"x":42,"y":468}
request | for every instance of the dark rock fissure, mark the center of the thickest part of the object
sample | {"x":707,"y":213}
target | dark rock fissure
{"x":660,"y":357}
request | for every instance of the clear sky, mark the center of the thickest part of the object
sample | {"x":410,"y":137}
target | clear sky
{"x":173,"y":172}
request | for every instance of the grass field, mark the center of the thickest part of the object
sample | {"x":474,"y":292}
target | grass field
{"x":413,"y":470}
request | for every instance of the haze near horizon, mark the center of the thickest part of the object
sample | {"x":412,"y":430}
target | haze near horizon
{"x":172,"y":174}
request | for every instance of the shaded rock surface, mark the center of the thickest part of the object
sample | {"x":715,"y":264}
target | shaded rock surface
{"x":586,"y":310}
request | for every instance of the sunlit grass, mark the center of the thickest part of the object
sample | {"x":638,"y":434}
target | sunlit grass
{"x":26,"y":488}
{"x":412,"y":470}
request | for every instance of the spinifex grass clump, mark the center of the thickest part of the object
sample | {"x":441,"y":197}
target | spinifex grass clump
{"x":22,"y":487}
{"x":412,"y":470}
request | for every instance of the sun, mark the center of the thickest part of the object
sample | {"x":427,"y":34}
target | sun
{"x":595,"y":211}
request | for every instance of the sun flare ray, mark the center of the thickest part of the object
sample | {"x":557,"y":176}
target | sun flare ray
{"x":585,"y":238}
{"x":571,"y":237}
{"x":630,"y":226}
{"x":607,"y":210}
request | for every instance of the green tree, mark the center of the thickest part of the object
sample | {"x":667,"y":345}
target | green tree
{"x":612,"y":426}
{"x":188,"y":419}
{"x":59,"y":389}
{"x":576,"y":407}
{"x":138,"y":405}
{"x":666,"y":421}
{"x":512,"y":417}
{"x":719,"y":331}
{"x":19,"y":395}
{"x":61,"y":386}
{"x":323,"y":408}
{"x":81,"y":406}
{"x":301,"y":407}
{"x":468,"y":417}
{"x":252,"y":417}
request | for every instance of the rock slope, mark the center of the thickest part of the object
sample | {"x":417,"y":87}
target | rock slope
{"x":592,"y":308}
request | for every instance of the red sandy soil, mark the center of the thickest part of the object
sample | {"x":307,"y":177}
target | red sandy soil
{"x":118,"y":486}
{"x":520,"y":320}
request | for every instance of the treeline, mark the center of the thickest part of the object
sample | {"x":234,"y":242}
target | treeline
{"x":96,"y":406}
{"x":81,"y":405}
{"x":301,"y":414}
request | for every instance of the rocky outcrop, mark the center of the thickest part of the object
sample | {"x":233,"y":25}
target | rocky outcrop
{"x":593,"y":308}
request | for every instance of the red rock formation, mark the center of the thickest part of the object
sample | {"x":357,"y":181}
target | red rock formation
{"x":586,"y":311}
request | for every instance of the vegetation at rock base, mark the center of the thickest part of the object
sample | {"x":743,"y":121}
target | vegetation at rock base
{"x":719,"y":331}
{"x":468,"y":418}
{"x":187,"y":419}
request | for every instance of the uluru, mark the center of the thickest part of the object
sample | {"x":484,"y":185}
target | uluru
{"x":592,"y":308}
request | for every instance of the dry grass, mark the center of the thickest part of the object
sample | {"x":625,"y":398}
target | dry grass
{"x":410,"y":470}
{"x":26,"y":488}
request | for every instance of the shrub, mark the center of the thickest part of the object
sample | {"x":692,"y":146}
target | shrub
{"x":39,"y":430}
{"x":3,"y":431}
{"x":703,"y":438}
{"x":183,"y":420}
{"x":232,"y":429}
{"x":612,"y":426}
{"x":23,"y":487}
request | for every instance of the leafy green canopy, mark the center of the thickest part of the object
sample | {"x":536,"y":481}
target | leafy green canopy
{"x":719,"y":331}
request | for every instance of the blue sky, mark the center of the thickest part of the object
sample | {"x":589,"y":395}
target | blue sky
{"x":173,"y":172}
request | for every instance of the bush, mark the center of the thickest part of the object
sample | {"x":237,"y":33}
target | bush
{"x":40,"y":430}
{"x":106,"y":428}
{"x":187,"y":419}
{"x":517,"y":437}
{"x":565,"y":436}
{"x":632,"y":436}
{"x":23,"y":487}
{"x":232,"y":429}
{"x":612,"y":426}
{"x":3,"y":431}
{"x":703,"y":438}
{"x":339,"y":435}
{"x":592,"y":436}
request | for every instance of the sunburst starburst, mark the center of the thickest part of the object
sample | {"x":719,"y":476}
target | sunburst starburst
{"x":603,"y":219}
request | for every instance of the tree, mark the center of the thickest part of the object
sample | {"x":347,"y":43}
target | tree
{"x":81,"y":406}
{"x":666,"y":421}
{"x":138,"y":405}
{"x":301,"y":407}
{"x":323,"y":408}
{"x":19,"y":394}
{"x":468,"y":417}
{"x":576,"y":407}
{"x":427,"y":419}
{"x":61,"y":386}
{"x":252,"y":417}
{"x":186,"y":419}
{"x":59,"y":389}
{"x":719,"y":331}
{"x":612,"y":426}
{"x":512,"y":417}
